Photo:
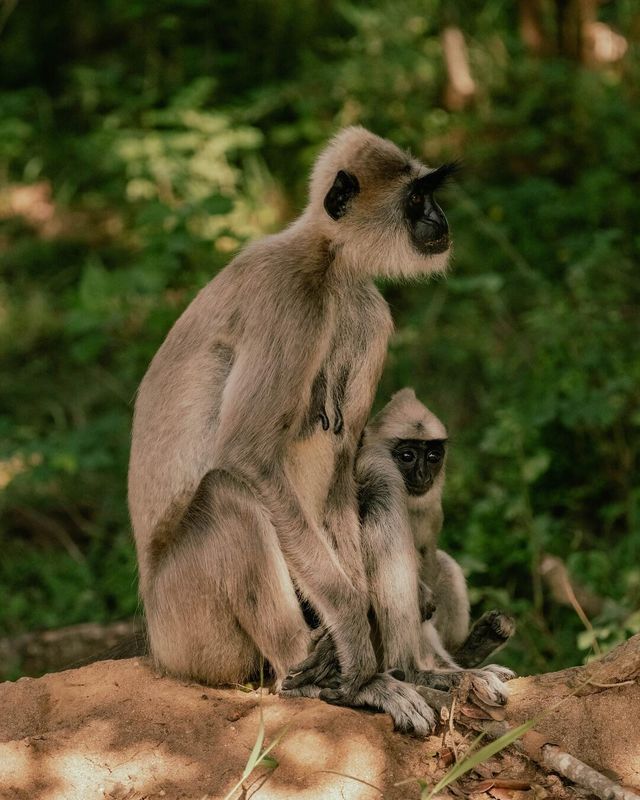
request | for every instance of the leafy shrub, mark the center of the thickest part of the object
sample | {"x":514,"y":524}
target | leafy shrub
{"x":156,"y":147}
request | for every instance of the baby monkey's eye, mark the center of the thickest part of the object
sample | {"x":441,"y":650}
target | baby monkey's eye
{"x":408,"y":456}
{"x":416,"y":199}
{"x":433,"y":456}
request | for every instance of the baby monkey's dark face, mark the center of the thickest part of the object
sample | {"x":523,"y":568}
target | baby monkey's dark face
{"x":419,"y":462}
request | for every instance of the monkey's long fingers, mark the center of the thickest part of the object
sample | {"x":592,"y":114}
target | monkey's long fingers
{"x":425,"y":601}
{"x":318,"y":665}
{"x":333,"y":681}
{"x":410,"y":713}
{"x":504,"y":673}
{"x":303,"y":691}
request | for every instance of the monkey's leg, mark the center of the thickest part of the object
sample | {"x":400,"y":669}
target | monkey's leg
{"x":450,"y":597}
{"x":341,"y":602}
{"x":487,"y":635}
{"x":384,"y":692}
{"x":223,"y":598}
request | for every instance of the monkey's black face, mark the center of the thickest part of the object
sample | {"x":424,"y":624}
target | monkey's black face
{"x":428,"y":226}
{"x":419,"y":462}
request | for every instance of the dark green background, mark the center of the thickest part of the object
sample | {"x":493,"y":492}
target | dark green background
{"x":141,"y":142}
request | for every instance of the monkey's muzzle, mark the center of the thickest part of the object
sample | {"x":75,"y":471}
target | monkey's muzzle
{"x":428,"y":225}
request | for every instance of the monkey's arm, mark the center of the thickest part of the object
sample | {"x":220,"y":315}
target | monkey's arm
{"x":392,"y":568}
{"x":265,"y":401}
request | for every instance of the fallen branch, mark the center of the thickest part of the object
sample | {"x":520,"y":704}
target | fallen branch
{"x":556,"y":760}
{"x":585,"y":721}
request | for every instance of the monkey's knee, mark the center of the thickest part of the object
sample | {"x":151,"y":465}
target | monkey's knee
{"x":223,"y":598}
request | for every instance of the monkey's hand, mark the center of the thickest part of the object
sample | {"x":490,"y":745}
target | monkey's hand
{"x":409,"y":711}
{"x":425,"y":601}
{"x":320,"y":668}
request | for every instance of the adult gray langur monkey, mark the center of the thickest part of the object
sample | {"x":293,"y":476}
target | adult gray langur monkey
{"x":241,"y":479}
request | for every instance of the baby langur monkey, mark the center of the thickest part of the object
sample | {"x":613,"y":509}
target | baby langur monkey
{"x":400,"y":471}
{"x":401,"y":522}
{"x":416,"y":440}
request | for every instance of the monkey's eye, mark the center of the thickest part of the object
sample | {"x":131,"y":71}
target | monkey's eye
{"x":407,"y":456}
{"x":416,"y":199}
{"x":433,"y":456}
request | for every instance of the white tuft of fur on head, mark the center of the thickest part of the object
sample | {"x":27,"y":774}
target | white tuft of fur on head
{"x":405,"y":417}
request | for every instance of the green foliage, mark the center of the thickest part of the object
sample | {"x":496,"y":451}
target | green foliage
{"x":169,"y":133}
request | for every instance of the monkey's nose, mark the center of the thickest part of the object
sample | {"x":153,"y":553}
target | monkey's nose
{"x":431,"y":230}
{"x":435,"y":219}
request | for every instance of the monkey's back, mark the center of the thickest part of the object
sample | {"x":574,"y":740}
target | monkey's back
{"x":177,"y":408}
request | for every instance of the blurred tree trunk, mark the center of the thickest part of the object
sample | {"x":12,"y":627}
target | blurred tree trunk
{"x":575,"y":19}
{"x":533,"y":31}
{"x":461,"y":88}
{"x":579,"y":35}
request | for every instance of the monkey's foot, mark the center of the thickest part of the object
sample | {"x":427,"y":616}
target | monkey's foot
{"x":485,"y":684}
{"x":488,"y":686}
{"x":503,"y":673}
{"x":320,"y":668}
{"x":488,"y":634}
{"x":409,"y":711}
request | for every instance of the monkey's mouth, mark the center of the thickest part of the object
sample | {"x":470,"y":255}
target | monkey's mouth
{"x":435,"y":246}
{"x":417,"y":490}
{"x":427,"y":246}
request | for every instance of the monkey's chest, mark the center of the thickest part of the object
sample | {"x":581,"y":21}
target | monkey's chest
{"x":313,"y":456}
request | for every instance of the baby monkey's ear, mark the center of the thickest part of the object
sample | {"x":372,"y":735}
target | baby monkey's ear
{"x":336,"y":201}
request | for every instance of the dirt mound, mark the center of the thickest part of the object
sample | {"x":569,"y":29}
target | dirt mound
{"x":116,"y":730}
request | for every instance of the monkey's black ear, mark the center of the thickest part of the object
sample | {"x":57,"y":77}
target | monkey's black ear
{"x":345,"y":186}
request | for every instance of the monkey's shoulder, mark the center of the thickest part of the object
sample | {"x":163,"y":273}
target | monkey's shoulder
{"x":380,"y":487}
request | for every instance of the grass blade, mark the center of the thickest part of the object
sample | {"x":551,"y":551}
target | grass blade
{"x":254,"y":756}
{"x":472,"y":759}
